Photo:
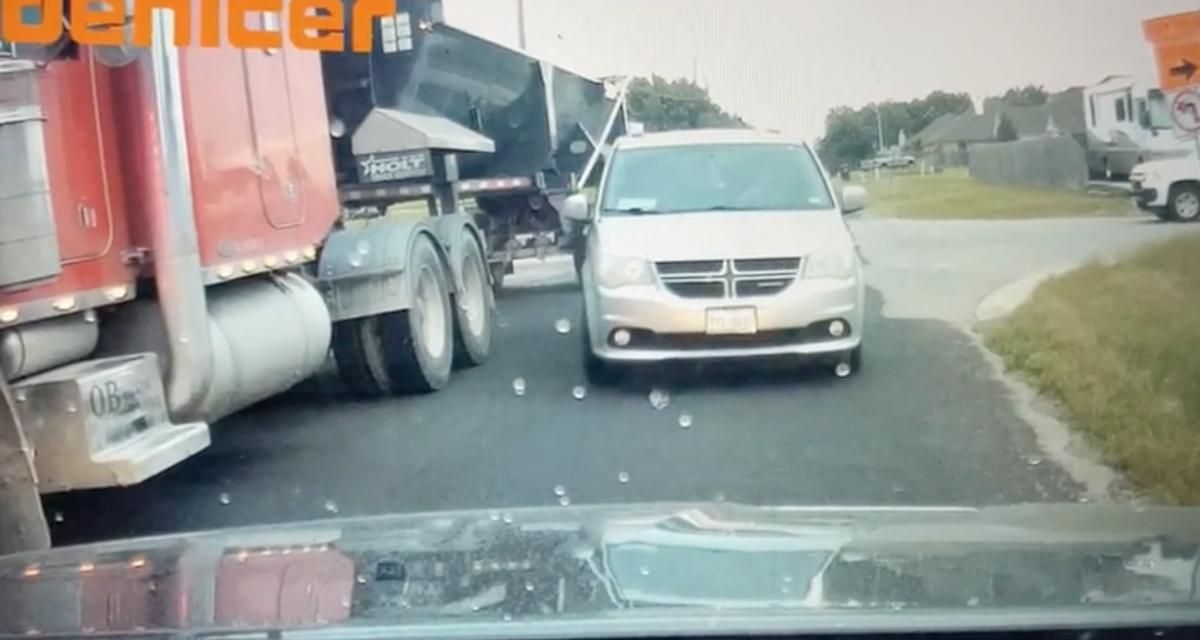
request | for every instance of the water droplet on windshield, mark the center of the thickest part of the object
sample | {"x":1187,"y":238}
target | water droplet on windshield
{"x":361,"y":579}
{"x":528,"y":585}
{"x":564,"y":501}
{"x":644,"y":570}
{"x":787,"y":579}
{"x":494,"y":516}
{"x":623,"y":477}
{"x":563,"y":326}
{"x":507,"y":617}
{"x":1034,"y":460}
{"x":719,"y":497}
{"x":223,"y":498}
{"x":973,"y":602}
{"x":560,"y":490}
{"x":659,"y":399}
{"x":685,"y":421}
{"x":579,"y":392}
{"x":519,"y":386}
{"x":355,"y":260}
{"x":345,"y":603}
{"x":331,"y":506}
{"x":58,"y":516}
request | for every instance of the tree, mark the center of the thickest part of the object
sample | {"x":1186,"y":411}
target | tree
{"x":851,"y":135}
{"x":1027,"y":96}
{"x":665,"y":105}
{"x":1005,"y":131}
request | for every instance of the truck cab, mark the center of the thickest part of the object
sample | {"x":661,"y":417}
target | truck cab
{"x":1170,"y":188}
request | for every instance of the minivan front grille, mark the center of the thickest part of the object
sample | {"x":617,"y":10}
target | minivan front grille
{"x":690,"y":267}
{"x":766,"y":264}
{"x":716,"y":279}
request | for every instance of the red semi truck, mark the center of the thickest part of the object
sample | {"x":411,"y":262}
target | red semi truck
{"x":175,"y":244}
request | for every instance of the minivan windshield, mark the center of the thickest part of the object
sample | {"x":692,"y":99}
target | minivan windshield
{"x":708,"y":177}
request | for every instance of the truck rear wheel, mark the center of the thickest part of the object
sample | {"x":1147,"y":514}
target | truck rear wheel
{"x":402,"y":351}
{"x":474,"y":305}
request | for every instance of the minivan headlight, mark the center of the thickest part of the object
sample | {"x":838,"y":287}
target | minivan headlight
{"x":830,"y":263}
{"x":617,"y":271}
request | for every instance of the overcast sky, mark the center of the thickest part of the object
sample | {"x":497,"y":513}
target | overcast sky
{"x":784,"y":63}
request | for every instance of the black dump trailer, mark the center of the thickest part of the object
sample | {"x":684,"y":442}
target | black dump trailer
{"x":440,"y":114}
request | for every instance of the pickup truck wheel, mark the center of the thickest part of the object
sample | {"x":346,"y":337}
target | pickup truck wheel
{"x":474,"y":305}
{"x":1184,"y":203}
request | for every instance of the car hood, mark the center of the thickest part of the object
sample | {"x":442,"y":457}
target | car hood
{"x":1170,"y":167}
{"x":612,"y":564}
{"x":723,"y":234}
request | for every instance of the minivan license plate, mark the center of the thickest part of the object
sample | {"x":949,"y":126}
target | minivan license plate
{"x":739,"y":321}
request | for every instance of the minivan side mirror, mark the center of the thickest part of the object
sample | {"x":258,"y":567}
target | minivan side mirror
{"x":575,"y":207}
{"x":854,"y":198}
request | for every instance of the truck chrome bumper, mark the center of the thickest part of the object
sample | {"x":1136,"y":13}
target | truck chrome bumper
{"x":103,"y":423}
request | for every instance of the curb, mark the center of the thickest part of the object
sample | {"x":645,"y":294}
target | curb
{"x":1003,"y":301}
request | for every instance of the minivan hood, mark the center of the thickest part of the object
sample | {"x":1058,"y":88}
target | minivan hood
{"x":474,"y":570}
{"x":721,"y":234}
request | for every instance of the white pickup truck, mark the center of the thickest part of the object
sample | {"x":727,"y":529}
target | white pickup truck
{"x":1170,"y":188}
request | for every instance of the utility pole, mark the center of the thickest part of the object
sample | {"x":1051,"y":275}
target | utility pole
{"x":521,"y":24}
{"x":879,"y":125}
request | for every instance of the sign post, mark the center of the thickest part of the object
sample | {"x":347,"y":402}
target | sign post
{"x":1176,"y":42}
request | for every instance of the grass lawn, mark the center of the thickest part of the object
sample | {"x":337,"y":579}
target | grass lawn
{"x":1119,"y":347}
{"x":953,"y":194}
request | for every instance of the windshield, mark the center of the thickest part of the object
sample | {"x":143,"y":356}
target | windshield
{"x":470,"y":312}
{"x":709,"y":177}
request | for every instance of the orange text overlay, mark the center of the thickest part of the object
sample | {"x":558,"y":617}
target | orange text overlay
{"x":311,"y":24}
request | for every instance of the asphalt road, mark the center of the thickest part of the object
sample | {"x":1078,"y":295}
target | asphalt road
{"x":925,"y":422}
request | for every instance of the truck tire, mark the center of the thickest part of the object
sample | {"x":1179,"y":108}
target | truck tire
{"x":358,"y":351}
{"x":498,"y":270}
{"x":420,"y":341}
{"x":474,"y":304}
{"x":402,"y":351}
{"x":1183,"y":203}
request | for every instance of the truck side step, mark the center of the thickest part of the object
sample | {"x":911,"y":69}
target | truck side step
{"x":103,"y":423}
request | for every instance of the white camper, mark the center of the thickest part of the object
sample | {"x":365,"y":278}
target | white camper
{"x":1128,"y":122}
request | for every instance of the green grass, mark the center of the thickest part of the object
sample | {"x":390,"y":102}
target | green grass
{"x":1119,"y":347}
{"x":954,"y":195}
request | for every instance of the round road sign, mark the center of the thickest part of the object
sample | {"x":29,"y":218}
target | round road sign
{"x":1185,"y":110}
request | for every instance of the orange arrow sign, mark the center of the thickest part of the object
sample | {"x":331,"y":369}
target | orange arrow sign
{"x":1176,"y":41}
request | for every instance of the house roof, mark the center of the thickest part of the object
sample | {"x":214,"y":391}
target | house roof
{"x":1066,"y":107}
{"x":963,"y":127}
{"x":1028,"y":121}
{"x":975,"y":128}
{"x":934,"y":128}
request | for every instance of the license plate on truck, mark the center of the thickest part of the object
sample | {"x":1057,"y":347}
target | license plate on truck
{"x":740,"y":321}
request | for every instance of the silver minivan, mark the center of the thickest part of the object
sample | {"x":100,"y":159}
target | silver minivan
{"x":718,"y":244}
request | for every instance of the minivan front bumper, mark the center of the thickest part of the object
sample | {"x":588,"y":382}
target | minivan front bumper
{"x":664,"y":326}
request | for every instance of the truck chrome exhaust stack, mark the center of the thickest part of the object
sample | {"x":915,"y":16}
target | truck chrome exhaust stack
{"x":175,"y":248}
